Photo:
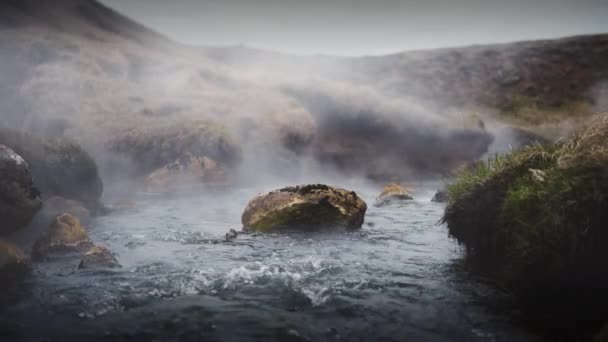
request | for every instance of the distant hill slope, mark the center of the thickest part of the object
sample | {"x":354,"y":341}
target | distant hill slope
{"x":77,"y":68}
{"x":548,"y":78}
{"x":551,"y":75}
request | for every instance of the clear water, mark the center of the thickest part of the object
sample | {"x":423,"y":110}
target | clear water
{"x":399,"y":278}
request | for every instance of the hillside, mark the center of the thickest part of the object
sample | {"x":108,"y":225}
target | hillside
{"x":79,"y":69}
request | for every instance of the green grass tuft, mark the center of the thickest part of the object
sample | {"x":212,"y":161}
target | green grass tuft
{"x":536,"y":220}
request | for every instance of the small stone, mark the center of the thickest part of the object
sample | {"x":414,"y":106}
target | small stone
{"x":231,"y":235}
{"x":440,"y":197}
{"x":98,"y":257}
{"x":391,"y":193}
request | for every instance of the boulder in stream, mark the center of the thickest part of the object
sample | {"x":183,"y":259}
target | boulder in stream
{"x":59,"y":167}
{"x":19,"y":200}
{"x":98,"y":257}
{"x":305,"y":208}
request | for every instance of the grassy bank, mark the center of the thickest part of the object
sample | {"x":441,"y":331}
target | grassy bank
{"x":535,"y":220}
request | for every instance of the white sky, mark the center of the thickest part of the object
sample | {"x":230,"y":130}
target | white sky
{"x":358,"y":27}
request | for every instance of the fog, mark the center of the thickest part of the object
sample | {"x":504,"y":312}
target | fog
{"x":142,"y":103}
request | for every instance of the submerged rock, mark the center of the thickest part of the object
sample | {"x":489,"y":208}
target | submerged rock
{"x":59,"y":166}
{"x":307,"y":208}
{"x":391,"y":193}
{"x":98,"y":257}
{"x":19,"y":200}
{"x":65,"y":234}
{"x":14,"y":265}
{"x":441,"y":196}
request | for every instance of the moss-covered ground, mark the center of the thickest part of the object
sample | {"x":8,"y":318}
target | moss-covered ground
{"x":536,"y":221}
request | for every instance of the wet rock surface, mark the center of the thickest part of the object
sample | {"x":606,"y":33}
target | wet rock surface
{"x":393,"y":193}
{"x":65,"y":234}
{"x":59,"y":167}
{"x":307,"y":207}
{"x":231,"y":235}
{"x":441,"y":196}
{"x":98,"y":257}
{"x":19,"y":199}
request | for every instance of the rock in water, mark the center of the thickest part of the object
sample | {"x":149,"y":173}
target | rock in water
{"x":98,"y":257}
{"x":65,"y":234}
{"x":19,"y":200}
{"x":14,"y":265}
{"x":391,"y":193}
{"x":441,"y":196}
{"x":59,"y":166}
{"x":306,"y":208}
{"x":231,"y":235}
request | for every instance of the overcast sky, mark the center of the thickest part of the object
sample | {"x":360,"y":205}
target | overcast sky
{"x":358,"y":27}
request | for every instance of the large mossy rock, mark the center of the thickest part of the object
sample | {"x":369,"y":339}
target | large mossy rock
{"x":59,"y":166}
{"x":14,"y":265}
{"x":65,"y":234}
{"x":535,"y":221}
{"x":19,"y":200}
{"x":305,"y":208}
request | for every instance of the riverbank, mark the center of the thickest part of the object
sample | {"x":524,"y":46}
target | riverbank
{"x":534,"y":221}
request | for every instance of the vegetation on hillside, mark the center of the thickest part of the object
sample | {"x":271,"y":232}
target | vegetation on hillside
{"x":535,"y":221}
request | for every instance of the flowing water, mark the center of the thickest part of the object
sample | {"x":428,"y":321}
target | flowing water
{"x":399,"y":278}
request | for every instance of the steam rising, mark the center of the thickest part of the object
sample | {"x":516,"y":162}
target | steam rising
{"x":82,"y":71}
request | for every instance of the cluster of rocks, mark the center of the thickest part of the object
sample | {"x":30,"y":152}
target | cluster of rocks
{"x":170,"y":156}
{"x":32,"y":182}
